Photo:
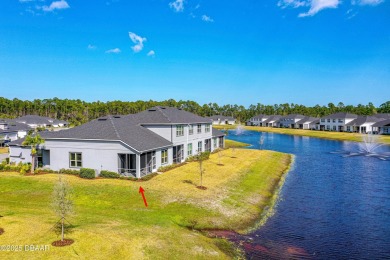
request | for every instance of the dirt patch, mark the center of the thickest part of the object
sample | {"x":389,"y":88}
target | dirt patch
{"x":201,"y":187}
{"x":66,"y":242}
{"x":220,"y":164}
{"x":1,"y":231}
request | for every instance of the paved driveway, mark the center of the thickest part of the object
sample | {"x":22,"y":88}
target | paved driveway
{"x":3,"y":156}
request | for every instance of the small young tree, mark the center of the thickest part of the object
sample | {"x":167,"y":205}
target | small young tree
{"x":200,"y":157}
{"x":33,"y":140}
{"x":62,"y":202}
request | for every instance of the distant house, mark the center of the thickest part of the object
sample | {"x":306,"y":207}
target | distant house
{"x":11,"y":131}
{"x":382,"y":127}
{"x":308,"y":122}
{"x":337,"y":122}
{"x":35,"y":121}
{"x":272,"y":121}
{"x":223,"y":120}
{"x":362,"y":124}
{"x":258,"y":120}
{"x":132,"y":145}
{"x":289,"y":121}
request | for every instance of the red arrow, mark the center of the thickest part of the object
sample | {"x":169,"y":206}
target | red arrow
{"x":141,"y":190}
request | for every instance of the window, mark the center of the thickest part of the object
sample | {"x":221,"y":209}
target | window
{"x":328,"y":120}
{"x":348,"y":128}
{"x":334,"y":128}
{"x":334,"y":120}
{"x":341,"y":120}
{"x":189,"y":149}
{"x":164,"y":156}
{"x":179,"y":130}
{"x":75,"y":160}
{"x":207,"y":129}
{"x":215,"y":142}
{"x":190,"y":129}
{"x":199,"y":146}
{"x":199,"y":128}
{"x":327,"y":127}
{"x":322,"y":120}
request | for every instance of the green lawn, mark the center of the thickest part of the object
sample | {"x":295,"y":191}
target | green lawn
{"x":341,"y":136}
{"x":111,"y":220}
{"x":231,"y":143}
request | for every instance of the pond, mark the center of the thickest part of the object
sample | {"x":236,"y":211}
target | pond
{"x":330,"y":206}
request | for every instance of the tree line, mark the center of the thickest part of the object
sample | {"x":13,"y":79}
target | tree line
{"x":78,"y":112}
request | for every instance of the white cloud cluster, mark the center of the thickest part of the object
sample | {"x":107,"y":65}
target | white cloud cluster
{"x":207,"y":18}
{"x":151,"y":53}
{"x":177,"y":5}
{"x":317,"y":5}
{"x":62,"y":4}
{"x":367,"y":2}
{"x":91,"y":47}
{"x":138,"y":40}
{"x":116,"y":50}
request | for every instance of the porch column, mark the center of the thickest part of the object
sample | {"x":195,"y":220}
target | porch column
{"x":138,"y":165}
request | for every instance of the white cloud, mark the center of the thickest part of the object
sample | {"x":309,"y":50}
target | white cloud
{"x":151,"y":53}
{"x":138,"y":40}
{"x":318,"y":5}
{"x":367,"y":2}
{"x":116,"y":50}
{"x":292,"y":3}
{"x":207,"y":19}
{"x":62,"y":4}
{"x":91,"y":47}
{"x":177,"y":5}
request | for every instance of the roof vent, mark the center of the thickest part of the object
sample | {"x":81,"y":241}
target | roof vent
{"x":117,"y":116}
{"x":102,"y":119}
{"x":152,"y":110}
{"x":162,"y":107}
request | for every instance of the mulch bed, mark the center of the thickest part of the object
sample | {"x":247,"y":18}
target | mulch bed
{"x":66,"y":242}
{"x":1,"y":231}
{"x":202,"y":187}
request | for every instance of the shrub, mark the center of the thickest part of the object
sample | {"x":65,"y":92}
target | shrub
{"x":25,"y":168}
{"x":87,"y":173}
{"x":68,"y":171}
{"x":108,"y":174}
{"x":44,"y":170}
{"x":169,"y":167}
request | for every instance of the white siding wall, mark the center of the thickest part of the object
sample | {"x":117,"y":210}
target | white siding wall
{"x":19,"y":154}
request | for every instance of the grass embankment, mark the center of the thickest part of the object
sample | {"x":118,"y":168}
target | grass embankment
{"x":111,"y":220}
{"x":3,"y":150}
{"x":341,"y":136}
{"x":235,"y":144}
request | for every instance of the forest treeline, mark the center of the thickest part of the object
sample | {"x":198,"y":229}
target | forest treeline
{"x":77,"y":111}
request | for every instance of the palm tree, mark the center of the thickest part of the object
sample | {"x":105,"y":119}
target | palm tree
{"x":33,"y":140}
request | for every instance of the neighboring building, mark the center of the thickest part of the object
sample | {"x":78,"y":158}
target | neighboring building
{"x":258,"y":120}
{"x":289,"y":121}
{"x":35,"y":121}
{"x":272,"y":121}
{"x":132,"y":145}
{"x":308,"y":123}
{"x":382,"y":115}
{"x":382,"y":127}
{"x":223,"y":120}
{"x":336,"y":122}
{"x":11,"y":131}
{"x":362,"y":124}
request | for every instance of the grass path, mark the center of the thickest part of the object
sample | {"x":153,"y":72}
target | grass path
{"x":341,"y":136}
{"x":111,"y":221}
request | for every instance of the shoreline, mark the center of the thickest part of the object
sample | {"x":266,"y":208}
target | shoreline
{"x":337,"y":136}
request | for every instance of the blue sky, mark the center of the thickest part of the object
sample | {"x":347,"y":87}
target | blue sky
{"x":241,"y":52}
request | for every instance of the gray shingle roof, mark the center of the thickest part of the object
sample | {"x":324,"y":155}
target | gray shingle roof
{"x":363,"y":119}
{"x":260,"y":116}
{"x":294,"y":116}
{"x":340,"y":115}
{"x":217,"y":133}
{"x":382,"y":123}
{"x":382,"y":115}
{"x":221,"y":117}
{"x":308,"y":119}
{"x":39,"y":120}
{"x":273,"y":118}
{"x":14,"y":126}
{"x":167,"y":115}
{"x":116,"y":129}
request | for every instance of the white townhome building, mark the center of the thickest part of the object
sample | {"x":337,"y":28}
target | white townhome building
{"x":258,"y":120}
{"x":290,"y":121}
{"x":336,"y":122}
{"x":308,"y":122}
{"x":363,"y":124}
{"x":35,"y":121}
{"x":222,"y":120}
{"x":11,"y":131}
{"x":132,"y":145}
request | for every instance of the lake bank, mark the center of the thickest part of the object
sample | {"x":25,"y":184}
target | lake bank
{"x":340,"y":136}
{"x":110,"y":215}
